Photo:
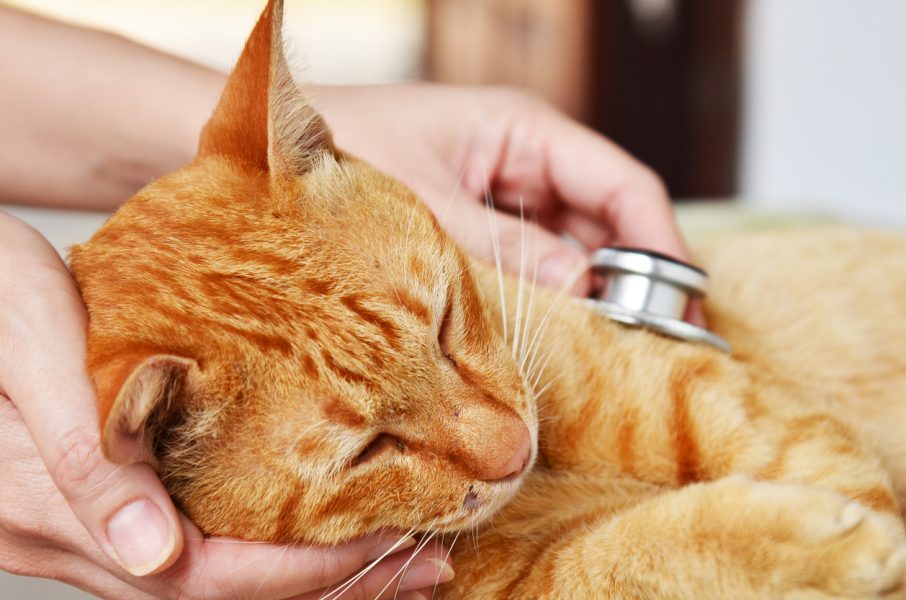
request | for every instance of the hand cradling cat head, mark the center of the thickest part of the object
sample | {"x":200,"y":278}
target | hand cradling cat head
{"x":292,"y":339}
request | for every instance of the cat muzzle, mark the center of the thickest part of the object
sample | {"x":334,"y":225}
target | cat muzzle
{"x":647,"y":289}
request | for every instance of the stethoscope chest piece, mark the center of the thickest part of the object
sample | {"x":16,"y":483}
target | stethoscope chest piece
{"x":650,"y":290}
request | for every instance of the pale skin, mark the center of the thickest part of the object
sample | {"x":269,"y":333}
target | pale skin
{"x":87,"y":119}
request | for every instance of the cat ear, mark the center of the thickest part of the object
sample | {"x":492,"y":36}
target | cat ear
{"x":262,"y":118}
{"x":131,"y":390}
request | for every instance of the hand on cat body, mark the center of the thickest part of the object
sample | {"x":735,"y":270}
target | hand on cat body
{"x":69,"y":514}
{"x":462,"y":144}
{"x":458,"y":143}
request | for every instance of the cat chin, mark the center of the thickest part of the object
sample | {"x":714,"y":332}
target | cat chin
{"x":477,"y":508}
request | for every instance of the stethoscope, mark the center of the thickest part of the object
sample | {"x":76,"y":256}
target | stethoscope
{"x":651,"y":290}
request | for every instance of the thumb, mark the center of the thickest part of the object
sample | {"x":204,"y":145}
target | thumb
{"x":522,"y":246}
{"x":42,"y":355}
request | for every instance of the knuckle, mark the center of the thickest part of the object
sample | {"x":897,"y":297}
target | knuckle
{"x":81,"y":466}
{"x":514,"y":97}
{"x":19,"y":523}
{"x":510,"y":240}
{"x":652,"y":183}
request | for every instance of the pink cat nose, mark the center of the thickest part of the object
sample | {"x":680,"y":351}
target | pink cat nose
{"x":511,"y":456}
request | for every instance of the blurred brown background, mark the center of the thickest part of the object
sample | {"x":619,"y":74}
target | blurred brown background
{"x":659,"y":77}
{"x":790,"y":105}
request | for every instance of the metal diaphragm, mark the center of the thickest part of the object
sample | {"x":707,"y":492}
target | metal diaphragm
{"x":651,"y":290}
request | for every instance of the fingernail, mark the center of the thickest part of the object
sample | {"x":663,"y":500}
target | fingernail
{"x":561,"y":269}
{"x":390,"y":546}
{"x":427,"y":573}
{"x":141,"y":537}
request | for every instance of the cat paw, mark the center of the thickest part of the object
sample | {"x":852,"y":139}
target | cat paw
{"x":824,"y":545}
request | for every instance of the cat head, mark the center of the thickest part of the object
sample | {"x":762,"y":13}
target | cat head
{"x":291,"y":338}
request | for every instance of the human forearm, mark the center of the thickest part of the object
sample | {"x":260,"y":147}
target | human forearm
{"x":88,"y":117}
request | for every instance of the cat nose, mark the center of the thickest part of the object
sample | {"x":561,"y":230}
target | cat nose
{"x":510,"y":456}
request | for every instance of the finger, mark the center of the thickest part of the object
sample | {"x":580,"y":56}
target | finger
{"x":425,"y":594}
{"x":88,"y":576}
{"x":42,"y":358}
{"x":593,"y":175}
{"x":420,"y":569}
{"x":586,"y":230}
{"x":219,"y":567}
{"x":695,"y":313}
{"x":520,"y":245}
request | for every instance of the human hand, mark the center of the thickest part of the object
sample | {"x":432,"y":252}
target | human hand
{"x":452,"y":144}
{"x":67,"y":513}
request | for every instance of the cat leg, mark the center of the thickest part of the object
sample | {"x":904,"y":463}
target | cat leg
{"x":732,"y":538}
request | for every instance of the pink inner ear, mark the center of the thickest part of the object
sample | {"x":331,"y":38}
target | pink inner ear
{"x":155,"y":380}
{"x":262,"y":118}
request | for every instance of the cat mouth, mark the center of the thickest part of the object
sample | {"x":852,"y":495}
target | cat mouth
{"x":484,"y":499}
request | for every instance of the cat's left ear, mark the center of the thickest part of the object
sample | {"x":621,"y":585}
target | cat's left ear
{"x":262,"y":118}
{"x":134,"y":391}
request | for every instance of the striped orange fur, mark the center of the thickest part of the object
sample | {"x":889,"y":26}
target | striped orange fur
{"x":292,"y":339}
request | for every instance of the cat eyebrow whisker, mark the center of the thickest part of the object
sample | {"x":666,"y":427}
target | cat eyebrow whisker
{"x":495,"y":244}
{"x":456,"y":188}
{"x":407,"y":245}
{"x":523,"y":350}
{"x":520,"y":290}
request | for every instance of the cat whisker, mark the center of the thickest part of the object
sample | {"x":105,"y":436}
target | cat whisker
{"x":344,"y":586}
{"x":546,"y":387}
{"x":424,"y":541}
{"x":269,"y":571}
{"x":534,"y":355}
{"x":225,"y":541}
{"x":282,"y":548}
{"x":446,"y":559}
{"x":537,"y":372}
{"x":542,"y":326}
{"x":402,"y":570}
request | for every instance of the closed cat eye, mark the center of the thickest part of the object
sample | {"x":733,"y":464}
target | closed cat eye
{"x":378,"y":445}
{"x":444,"y":333}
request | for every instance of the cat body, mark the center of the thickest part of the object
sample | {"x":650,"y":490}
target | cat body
{"x":295,"y":343}
{"x":671,"y":470}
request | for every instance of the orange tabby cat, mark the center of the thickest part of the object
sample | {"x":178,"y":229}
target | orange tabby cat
{"x":307,"y":356}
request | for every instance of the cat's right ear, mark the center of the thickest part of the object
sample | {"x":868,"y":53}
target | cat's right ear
{"x":131,"y":389}
{"x":263,"y":120}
